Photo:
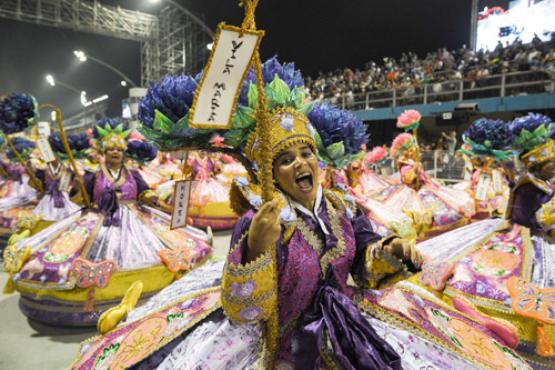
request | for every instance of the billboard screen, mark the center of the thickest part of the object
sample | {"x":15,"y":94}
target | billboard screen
{"x":504,"y":21}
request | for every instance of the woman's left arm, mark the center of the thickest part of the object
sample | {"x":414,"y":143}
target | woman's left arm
{"x":372,"y":261}
{"x":143,"y":190}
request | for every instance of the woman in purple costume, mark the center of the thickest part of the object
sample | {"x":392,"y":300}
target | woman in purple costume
{"x":72,"y":271}
{"x":298,"y":311}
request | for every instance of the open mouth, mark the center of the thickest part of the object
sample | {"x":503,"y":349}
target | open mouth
{"x":304,"y":181}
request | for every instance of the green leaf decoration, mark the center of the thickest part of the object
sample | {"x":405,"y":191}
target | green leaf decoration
{"x":336,"y":150}
{"x":277,"y":93}
{"x":305,"y":109}
{"x":102,"y":132}
{"x":181,"y":125}
{"x":318,"y":139}
{"x":252,"y":96}
{"x":296,"y":99}
{"x":243,"y":118}
{"x":234,"y":137}
{"x":162,"y":123}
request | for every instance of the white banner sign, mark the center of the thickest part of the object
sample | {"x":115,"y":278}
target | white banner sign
{"x":65,"y":181}
{"x":497,"y":182}
{"x":483,"y":187}
{"x":181,"y":193}
{"x":219,"y":88}
{"x":43,"y":128}
{"x":45,"y":150}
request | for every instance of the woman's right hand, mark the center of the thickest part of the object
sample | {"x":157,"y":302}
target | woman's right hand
{"x":264,"y":230}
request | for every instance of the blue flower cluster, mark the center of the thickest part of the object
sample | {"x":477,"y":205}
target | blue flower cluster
{"x":530,"y":122}
{"x":17,"y":112}
{"x":335,"y":125}
{"x":270,"y":68}
{"x":141,"y":151}
{"x":493,"y":134}
{"x":22,"y":145}
{"x":77,"y":142}
{"x":173,"y":96}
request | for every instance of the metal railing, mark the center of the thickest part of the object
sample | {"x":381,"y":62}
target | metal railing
{"x":506,"y":84}
{"x":438,"y":164}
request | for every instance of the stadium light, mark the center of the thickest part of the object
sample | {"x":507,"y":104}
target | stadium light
{"x":50,"y":80}
{"x":123,"y":83}
{"x":80,"y":55}
{"x":209,"y":46}
{"x":100,"y":98}
{"x":154,"y":1}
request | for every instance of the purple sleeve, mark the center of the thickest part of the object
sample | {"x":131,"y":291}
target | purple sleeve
{"x":238,"y":245}
{"x":364,"y":238}
{"x":89,"y":179}
{"x":41,"y":176}
{"x":527,"y":199}
{"x":141,"y":183}
{"x":210,"y":165}
{"x":195,"y":166}
{"x":238,"y":248}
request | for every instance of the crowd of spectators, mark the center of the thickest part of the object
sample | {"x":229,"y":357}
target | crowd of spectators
{"x":410,"y":71}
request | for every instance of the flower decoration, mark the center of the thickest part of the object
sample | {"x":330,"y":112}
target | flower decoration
{"x":17,"y":112}
{"x":339,"y":135}
{"x":78,"y":143}
{"x":141,"y":151}
{"x":23,"y":146}
{"x":270,"y":69}
{"x":218,"y":141}
{"x":531,"y":131}
{"x":401,"y":143}
{"x":376,"y":155}
{"x":409,"y":120}
{"x":108,"y":123}
{"x":164,"y":111}
{"x":488,"y":137}
{"x":172,"y":97}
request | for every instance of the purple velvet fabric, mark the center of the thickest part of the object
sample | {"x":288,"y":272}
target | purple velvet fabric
{"x":527,"y":199}
{"x":310,"y":306}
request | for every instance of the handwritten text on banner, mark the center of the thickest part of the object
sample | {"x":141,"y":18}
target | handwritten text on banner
{"x":181,"y":194}
{"x":221,"y":83}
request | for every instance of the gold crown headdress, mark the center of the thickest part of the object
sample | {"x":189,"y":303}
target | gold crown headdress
{"x":112,"y":137}
{"x":287,"y":128}
{"x":540,"y":154}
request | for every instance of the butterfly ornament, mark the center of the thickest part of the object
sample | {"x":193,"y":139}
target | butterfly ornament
{"x":531,"y":301}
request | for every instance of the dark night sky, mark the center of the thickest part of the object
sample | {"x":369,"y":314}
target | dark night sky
{"x":319,"y":35}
